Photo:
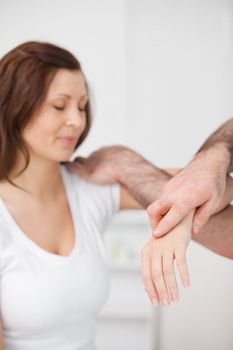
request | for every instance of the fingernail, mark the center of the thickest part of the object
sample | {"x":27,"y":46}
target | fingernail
{"x":154,"y":301}
{"x":196,"y":228}
{"x":164,"y":302}
{"x":186,"y":284}
{"x":157,"y":231}
{"x":175,"y":298}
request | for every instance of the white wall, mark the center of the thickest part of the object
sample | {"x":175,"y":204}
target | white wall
{"x":179,"y":76}
{"x":162,"y":76}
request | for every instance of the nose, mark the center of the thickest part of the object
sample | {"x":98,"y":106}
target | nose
{"x":75,"y":118}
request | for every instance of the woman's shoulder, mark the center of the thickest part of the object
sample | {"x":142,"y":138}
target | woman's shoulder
{"x":101,"y":195}
{"x":5,"y":232}
{"x":75,"y":180}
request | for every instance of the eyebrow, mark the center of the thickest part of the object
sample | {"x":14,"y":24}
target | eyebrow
{"x":68,"y":96}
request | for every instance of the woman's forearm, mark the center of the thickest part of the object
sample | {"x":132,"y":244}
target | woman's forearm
{"x":158,"y":257}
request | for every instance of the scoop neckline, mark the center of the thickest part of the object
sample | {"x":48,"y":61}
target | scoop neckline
{"x":72,"y":202}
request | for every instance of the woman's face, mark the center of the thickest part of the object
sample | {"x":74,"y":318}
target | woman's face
{"x":56,"y":127}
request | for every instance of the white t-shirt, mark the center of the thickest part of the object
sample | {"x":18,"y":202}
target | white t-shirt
{"x":47,"y":301}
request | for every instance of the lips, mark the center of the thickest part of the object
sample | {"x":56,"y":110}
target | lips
{"x":68,"y":140}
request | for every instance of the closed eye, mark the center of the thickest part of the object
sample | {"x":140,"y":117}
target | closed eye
{"x":82,"y":109}
{"x":59,"y":108}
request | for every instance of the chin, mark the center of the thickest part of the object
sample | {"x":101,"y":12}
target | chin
{"x":65,"y":157}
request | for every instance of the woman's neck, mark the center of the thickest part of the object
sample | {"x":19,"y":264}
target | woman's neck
{"x":41,"y":179}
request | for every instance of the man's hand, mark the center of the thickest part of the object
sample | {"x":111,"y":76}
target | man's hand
{"x":100,"y":167}
{"x":200,"y":185}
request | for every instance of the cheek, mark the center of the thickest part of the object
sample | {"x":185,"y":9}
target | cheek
{"x":42,"y":126}
{"x":37,"y":134}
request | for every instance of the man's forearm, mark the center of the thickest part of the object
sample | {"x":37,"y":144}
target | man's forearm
{"x":217,"y":234}
{"x":142,"y":179}
{"x":222,"y":141}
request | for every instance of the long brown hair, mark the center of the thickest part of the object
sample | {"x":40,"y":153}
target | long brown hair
{"x":25,"y":75}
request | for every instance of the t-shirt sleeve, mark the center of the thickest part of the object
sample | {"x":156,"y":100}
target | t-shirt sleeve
{"x":97,"y":203}
{"x":104,"y":203}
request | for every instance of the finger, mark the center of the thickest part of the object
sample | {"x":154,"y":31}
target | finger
{"x":156,"y":210}
{"x":201,"y":216}
{"x":182,"y":266}
{"x":147,"y":279}
{"x":79,"y":169}
{"x":158,"y":279}
{"x":169,"y":276}
{"x":170,"y":220}
{"x":73,"y":167}
{"x":80,"y":160}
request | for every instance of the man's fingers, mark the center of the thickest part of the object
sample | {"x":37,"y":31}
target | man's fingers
{"x":170,"y":220}
{"x":156,"y":210}
{"x":201,"y":216}
{"x":78,"y":169}
{"x":79,"y":160}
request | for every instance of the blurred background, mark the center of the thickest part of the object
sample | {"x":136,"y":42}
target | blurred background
{"x":161,"y":77}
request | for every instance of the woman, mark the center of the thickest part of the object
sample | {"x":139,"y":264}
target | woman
{"x":54,"y":279}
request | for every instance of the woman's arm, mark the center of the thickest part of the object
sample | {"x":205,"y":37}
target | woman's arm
{"x":127,"y":201}
{"x":158,"y":256}
{"x":157,"y":263}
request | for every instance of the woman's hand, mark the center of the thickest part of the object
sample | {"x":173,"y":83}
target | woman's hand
{"x":157,"y":263}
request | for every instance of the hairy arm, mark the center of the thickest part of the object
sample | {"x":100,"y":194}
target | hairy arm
{"x":217,"y":233}
{"x":143,"y":180}
{"x":200,"y":184}
{"x":222,"y":137}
